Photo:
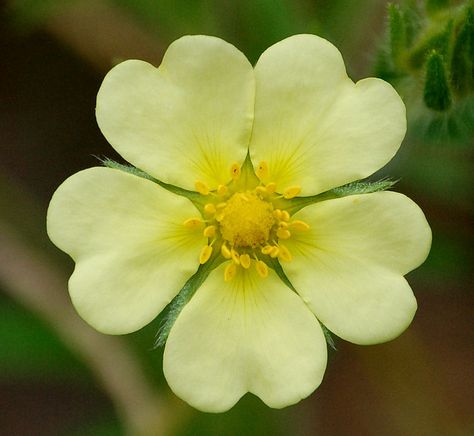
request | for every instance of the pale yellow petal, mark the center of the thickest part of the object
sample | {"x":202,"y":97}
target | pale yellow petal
{"x":188,"y":120}
{"x":251,"y":334}
{"x":313,"y":126}
{"x":132,"y":252}
{"x":349,"y":266}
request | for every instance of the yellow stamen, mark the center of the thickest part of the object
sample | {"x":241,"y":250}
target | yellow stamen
{"x":210,"y":209}
{"x":277,"y":214}
{"x":221,"y":205}
{"x":205,"y":254}
{"x":210,"y":231}
{"x":283,"y":233}
{"x":262,"y":170}
{"x":274,"y":252}
{"x":283,"y":224}
{"x":271,"y":187}
{"x":230,"y":271}
{"x":225,"y":251}
{"x":235,"y":256}
{"x":291,"y":192}
{"x":284,"y":254}
{"x":245,"y":261}
{"x":193,"y":223}
{"x":299,"y":226}
{"x":266,"y":249}
{"x":235,"y":171}
{"x":201,"y":187}
{"x":285,"y":216}
{"x":261,"y":190}
{"x":261,"y":268}
{"x":221,"y":190}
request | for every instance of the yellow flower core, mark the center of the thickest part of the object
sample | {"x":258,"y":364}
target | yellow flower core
{"x":246,"y":224}
{"x":246,"y":220}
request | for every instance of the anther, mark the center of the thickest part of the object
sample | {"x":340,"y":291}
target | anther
{"x":275,"y":251}
{"x":230,"y":271}
{"x":201,"y":187}
{"x":193,"y":223}
{"x":284,"y":254}
{"x":235,"y":171}
{"x":262,"y":170}
{"x":210,"y":231}
{"x":221,"y":205}
{"x":285,"y":216}
{"x":245,"y":261}
{"x":283,"y":233}
{"x":221,"y":190}
{"x":205,"y":254}
{"x":271,"y":187}
{"x":266,"y":249}
{"x":261,"y":268}
{"x":299,"y":226}
{"x":283,"y":224}
{"x":291,"y":192}
{"x":225,"y":251}
{"x":210,"y":209}
{"x":277,"y":214}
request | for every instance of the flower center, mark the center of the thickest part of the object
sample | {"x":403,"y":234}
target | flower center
{"x":246,"y":220}
{"x":245,"y":226}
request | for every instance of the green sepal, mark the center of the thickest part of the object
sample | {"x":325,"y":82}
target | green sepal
{"x":397,"y":32}
{"x":437,"y":95}
{"x":354,"y":188}
{"x":328,"y":336}
{"x":174,"y":308}
{"x":197,"y":199}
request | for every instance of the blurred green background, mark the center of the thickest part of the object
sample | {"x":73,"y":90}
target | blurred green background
{"x":59,"y":377}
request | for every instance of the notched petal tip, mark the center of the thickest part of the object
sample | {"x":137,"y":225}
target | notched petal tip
{"x":189,"y":119}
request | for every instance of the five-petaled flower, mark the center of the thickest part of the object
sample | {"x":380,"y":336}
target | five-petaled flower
{"x":237,"y":152}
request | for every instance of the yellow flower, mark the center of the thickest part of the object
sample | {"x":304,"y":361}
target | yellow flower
{"x":237,"y":152}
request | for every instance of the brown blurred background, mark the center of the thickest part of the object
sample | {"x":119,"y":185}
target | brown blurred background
{"x":59,"y":377}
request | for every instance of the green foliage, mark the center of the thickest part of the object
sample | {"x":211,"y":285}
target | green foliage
{"x":433,"y":6}
{"x":462,"y":61}
{"x":437,"y":95}
{"x":31,"y":349}
{"x":429,"y":60}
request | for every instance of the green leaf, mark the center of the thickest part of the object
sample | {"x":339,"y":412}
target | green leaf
{"x":354,"y":188}
{"x":437,"y":94}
